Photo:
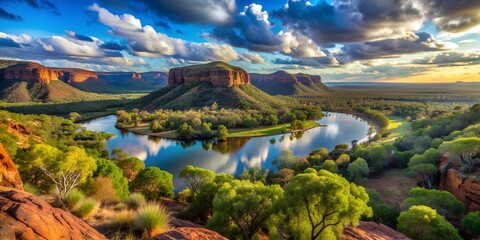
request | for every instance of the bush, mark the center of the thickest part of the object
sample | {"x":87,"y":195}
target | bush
{"x":102,"y":190}
{"x":27,"y":187}
{"x":124,"y":220}
{"x":471,"y":223}
{"x":153,"y":183}
{"x":74,"y":198}
{"x":153,"y":218}
{"x":135,"y":200}
{"x":86,"y":208}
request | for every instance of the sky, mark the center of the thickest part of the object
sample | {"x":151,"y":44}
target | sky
{"x":341,"y":40}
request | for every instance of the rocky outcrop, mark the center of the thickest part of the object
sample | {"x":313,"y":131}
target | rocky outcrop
{"x":285,"y":77}
{"x":71,"y":75}
{"x":185,"y":233}
{"x":25,"y":216}
{"x":372,"y":231}
{"x":466,"y":190}
{"x":30,"y":72}
{"x":9,"y":176}
{"x":218,"y":73}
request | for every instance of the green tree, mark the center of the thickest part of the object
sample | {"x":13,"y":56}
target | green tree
{"x":423,"y":223}
{"x":320,"y":206}
{"x":65,"y":170}
{"x":74,"y":116}
{"x":185,"y":131}
{"x":357,"y":170}
{"x":153,"y":183}
{"x":284,"y":176}
{"x":241,"y":208}
{"x":465,"y":151}
{"x":339,"y":150}
{"x":286,"y":159}
{"x":444,"y":202}
{"x":131,"y":166}
{"x":222,"y":133}
{"x":196,"y":177}
{"x":254,"y":174}
{"x":107,"y":168}
{"x":471,"y":223}
{"x":426,"y":171}
{"x":376,"y":157}
{"x":343,"y":160}
{"x":330,"y":166}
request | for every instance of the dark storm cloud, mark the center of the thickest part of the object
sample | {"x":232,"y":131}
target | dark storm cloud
{"x":217,"y":12}
{"x":453,"y":16}
{"x":413,"y":43}
{"x":349,"y":21}
{"x":163,"y":24}
{"x":327,"y":61}
{"x":9,"y":16}
{"x":113,"y":46}
{"x":8,"y":42}
{"x":81,"y":37}
{"x":451,"y":58}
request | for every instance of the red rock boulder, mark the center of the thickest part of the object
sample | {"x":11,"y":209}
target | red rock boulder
{"x":25,"y":216}
{"x":372,"y":231}
{"x":9,"y":176}
{"x":186,"y":233}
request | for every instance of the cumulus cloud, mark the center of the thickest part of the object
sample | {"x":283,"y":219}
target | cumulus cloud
{"x":347,"y":21}
{"x":251,"y":58}
{"x":145,"y":41}
{"x":218,"y":12}
{"x":79,"y":36}
{"x":412,"y":43}
{"x":451,"y":58}
{"x":4,"y":14}
{"x":454,"y":16}
{"x":61,"y":48}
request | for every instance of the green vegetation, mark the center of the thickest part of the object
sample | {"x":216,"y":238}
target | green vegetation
{"x":196,"y":177}
{"x":74,"y":198}
{"x":153,"y":218}
{"x":471,"y":221}
{"x":153,"y":183}
{"x":135,"y":200}
{"x":442,"y":201}
{"x":86,"y":208}
{"x":423,"y":223}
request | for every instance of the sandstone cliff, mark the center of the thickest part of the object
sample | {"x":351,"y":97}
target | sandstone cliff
{"x":72,"y":75}
{"x":372,"y":231}
{"x":466,"y":190}
{"x":30,"y":72}
{"x":25,"y":216}
{"x":9,"y":176}
{"x":219,"y":74}
{"x":285,"y":77}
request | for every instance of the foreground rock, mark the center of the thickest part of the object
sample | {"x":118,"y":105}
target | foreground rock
{"x":220,"y":74}
{"x":190,"y":234}
{"x":9,"y":176}
{"x":25,"y":216}
{"x":372,"y":231}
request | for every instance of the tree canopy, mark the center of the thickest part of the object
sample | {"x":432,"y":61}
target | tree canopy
{"x":153,"y":183}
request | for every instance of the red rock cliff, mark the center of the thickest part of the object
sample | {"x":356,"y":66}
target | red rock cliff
{"x":466,"y":190}
{"x":372,"y":231}
{"x":70,"y":75}
{"x":32,"y":72}
{"x":218,"y":73}
{"x":9,"y":176}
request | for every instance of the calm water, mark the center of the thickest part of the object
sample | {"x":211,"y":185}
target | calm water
{"x":232,"y":156}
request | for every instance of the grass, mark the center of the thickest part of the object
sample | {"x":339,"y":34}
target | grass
{"x":73,"y":198}
{"x":135,"y":200}
{"x":86,"y":208}
{"x":27,"y":187}
{"x":124,"y":219}
{"x":392,"y":185}
{"x":152,"y":218}
{"x":397,"y":127}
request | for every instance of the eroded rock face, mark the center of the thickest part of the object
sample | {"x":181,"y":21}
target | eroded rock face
{"x":9,"y":176}
{"x":466,"y":190}
{"x":285,"y":77}
{"x":372,"y":231}
{"x":216,"y":73}
{"x":76,"y":75}
{"x":186,"y":233}
{"x":31,"y":72}
{"x":25,"y":216}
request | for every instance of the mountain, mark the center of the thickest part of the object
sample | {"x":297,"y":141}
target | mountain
{"x":284,"y":83}
{"x":29,"y":81}
{"x":202,"y":85}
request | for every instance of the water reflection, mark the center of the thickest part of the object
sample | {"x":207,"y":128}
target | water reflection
{"x":233,"y":155}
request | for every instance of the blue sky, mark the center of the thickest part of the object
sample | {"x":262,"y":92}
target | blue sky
{"x":342,"y":40}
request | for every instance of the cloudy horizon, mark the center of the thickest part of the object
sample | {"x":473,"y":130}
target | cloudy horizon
{"x":341,"y":40}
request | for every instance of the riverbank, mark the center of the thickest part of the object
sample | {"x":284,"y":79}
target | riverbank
{"x":144,"y":129}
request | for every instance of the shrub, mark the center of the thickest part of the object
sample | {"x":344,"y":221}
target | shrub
{"x":124,"y":220}
{"x":153,"y":218}
{"x":102,"y":190}
{"x":86,"y":208}
{"x":74,"y":198}
{"x":153,"y":183}
{"x":471,"y":223}
{"x":135,"y":200}
{"x":27,"y":187}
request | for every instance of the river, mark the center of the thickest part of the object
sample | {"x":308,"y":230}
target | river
{"x":235,"y":154}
